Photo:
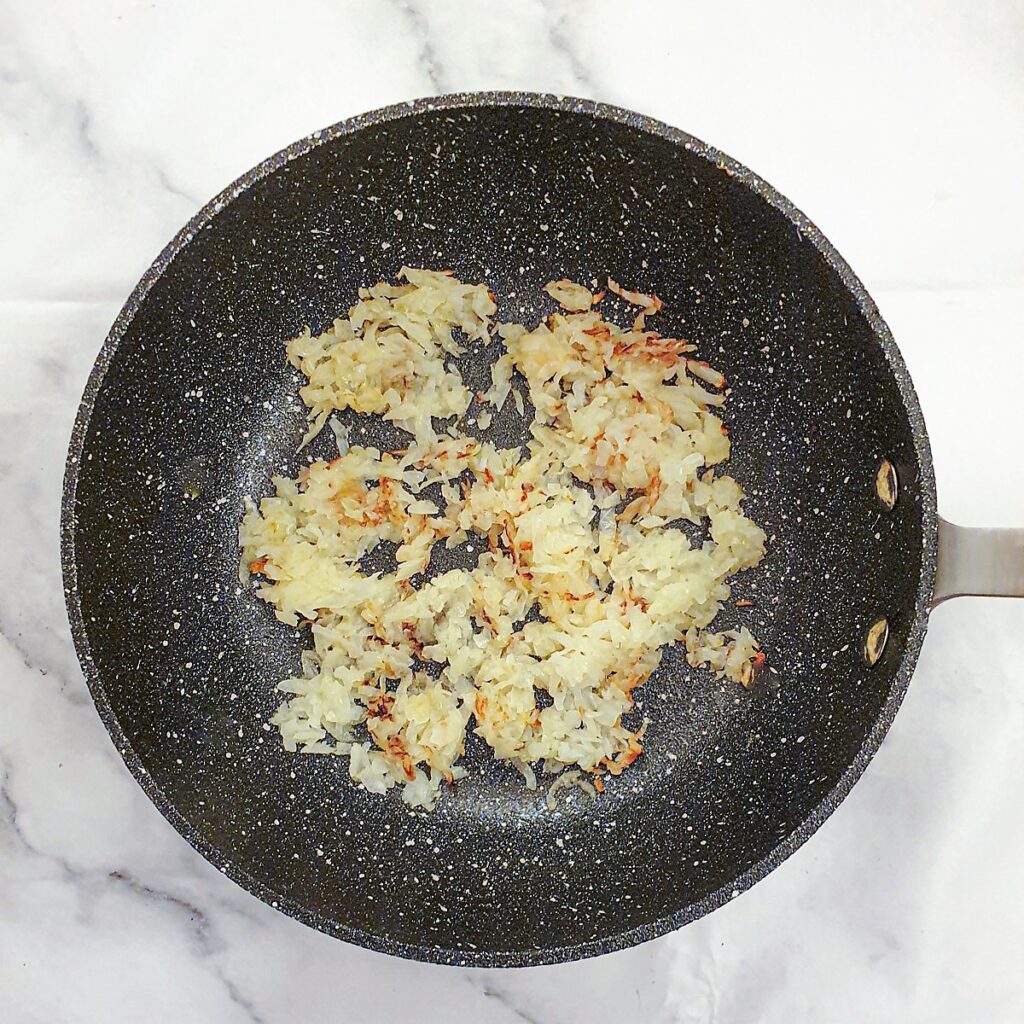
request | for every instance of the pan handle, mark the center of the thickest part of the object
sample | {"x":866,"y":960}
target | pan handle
{"x":979,"y":562}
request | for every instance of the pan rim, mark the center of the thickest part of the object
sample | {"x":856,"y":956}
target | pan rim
{"x":782,"y":850}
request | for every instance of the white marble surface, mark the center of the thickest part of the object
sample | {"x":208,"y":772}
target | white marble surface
{"x":899,"y":128}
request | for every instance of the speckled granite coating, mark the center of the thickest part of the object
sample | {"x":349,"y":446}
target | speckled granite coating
{"x":190,"y":406}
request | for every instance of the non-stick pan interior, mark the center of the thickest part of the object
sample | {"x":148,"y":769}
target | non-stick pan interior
{"x":197,"y":407}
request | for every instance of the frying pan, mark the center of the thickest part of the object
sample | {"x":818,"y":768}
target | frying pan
{"x":191,"y":406}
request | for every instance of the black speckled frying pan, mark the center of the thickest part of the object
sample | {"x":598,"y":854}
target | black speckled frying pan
{"x":191,"y":405}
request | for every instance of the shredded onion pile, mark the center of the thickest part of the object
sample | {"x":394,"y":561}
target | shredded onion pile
{"x":581,"y":578}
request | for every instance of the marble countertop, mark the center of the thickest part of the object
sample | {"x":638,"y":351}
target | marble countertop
{"x":899,"y":129}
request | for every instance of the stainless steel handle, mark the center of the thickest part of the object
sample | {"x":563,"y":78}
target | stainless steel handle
{"x":977,"y":561}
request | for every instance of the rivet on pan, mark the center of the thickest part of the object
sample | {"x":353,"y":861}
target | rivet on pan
{"x":877,"y":636}
{"x":886,"y":485}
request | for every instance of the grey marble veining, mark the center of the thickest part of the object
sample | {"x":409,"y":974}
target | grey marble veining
{"x":116,"y":122}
